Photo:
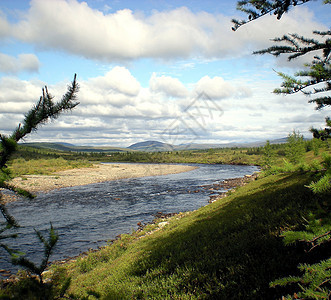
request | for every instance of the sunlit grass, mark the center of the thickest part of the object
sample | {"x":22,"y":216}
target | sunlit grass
{"x":230,"y":249}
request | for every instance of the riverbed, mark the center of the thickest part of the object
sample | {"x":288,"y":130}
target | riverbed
{"x":90,"y":215}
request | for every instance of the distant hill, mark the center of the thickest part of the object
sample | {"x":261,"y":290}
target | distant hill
{"x":151,"y":146}
{"x":66,"y":147}
{"x":148,"y":146}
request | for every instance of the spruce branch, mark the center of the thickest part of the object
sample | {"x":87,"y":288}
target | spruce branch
{"x":299,"y":45}
{"x":256,"y":9}
{"x":46,"y":110}
{"x":10,"y":221}
{"x":49,"y":245}
{"x":316,"y":78}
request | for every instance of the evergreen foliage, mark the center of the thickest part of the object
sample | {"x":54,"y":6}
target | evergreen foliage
{"x":44,"y":111}
{"x":314,"y":283}
{"x":323,"y":184}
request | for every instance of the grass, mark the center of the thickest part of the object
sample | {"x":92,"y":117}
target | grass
{"x":43,"y":166}
{"x":230,"y":249}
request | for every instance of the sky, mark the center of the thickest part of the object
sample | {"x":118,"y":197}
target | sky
{"x":171,"y":71}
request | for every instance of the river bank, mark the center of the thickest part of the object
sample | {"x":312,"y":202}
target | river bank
{"x":98,"y":173}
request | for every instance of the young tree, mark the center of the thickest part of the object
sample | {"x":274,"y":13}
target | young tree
{"x":295,"y":148}
{"x":44,"y":111}
{"x":268,"y":155}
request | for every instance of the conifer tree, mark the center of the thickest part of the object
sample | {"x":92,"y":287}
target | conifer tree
{"x":295,"y":148}
{"x":42,"y":112}
{"x":268,"y":155}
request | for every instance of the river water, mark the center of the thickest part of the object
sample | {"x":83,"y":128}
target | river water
{"x":88,"y":216}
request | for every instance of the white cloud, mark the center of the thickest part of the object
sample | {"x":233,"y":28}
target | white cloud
{"x":4,"y":26}
{"x":24,"y":62}
{"x":117,"y":88}
{"x":215,"y":88}
{"x":117,"y":80}
{"x":168,"y":85}
{"x":74,"y":27}
{"x":19,"y":91}
{"x":118,"y":112}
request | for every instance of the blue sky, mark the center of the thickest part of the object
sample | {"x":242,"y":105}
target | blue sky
{"x":171,"y":71}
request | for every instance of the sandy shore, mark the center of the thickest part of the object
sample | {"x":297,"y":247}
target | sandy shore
{"x":98,"y":173}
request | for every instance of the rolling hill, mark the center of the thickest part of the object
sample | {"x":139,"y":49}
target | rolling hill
{"x":146,"y":146}
{"x":66,"y":147}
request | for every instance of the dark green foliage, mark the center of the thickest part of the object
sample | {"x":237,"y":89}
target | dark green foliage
{"x":44,"y":111}
{"x":314,"y":283}
{"x":7,"y":147}
{"x":323,"y":184}
{"x":322,"y":134}
{"x":316,"y":76}
{"x":9,"y":223}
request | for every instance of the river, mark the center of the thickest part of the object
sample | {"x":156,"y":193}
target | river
{"x":88,"y":216}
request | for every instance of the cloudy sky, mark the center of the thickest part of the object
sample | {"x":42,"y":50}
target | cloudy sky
{"x":171,"y":71}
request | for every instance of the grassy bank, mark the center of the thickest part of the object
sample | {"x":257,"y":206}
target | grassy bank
{"x":230,"y":249}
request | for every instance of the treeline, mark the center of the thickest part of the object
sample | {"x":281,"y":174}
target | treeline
{"x":234,"y":155}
